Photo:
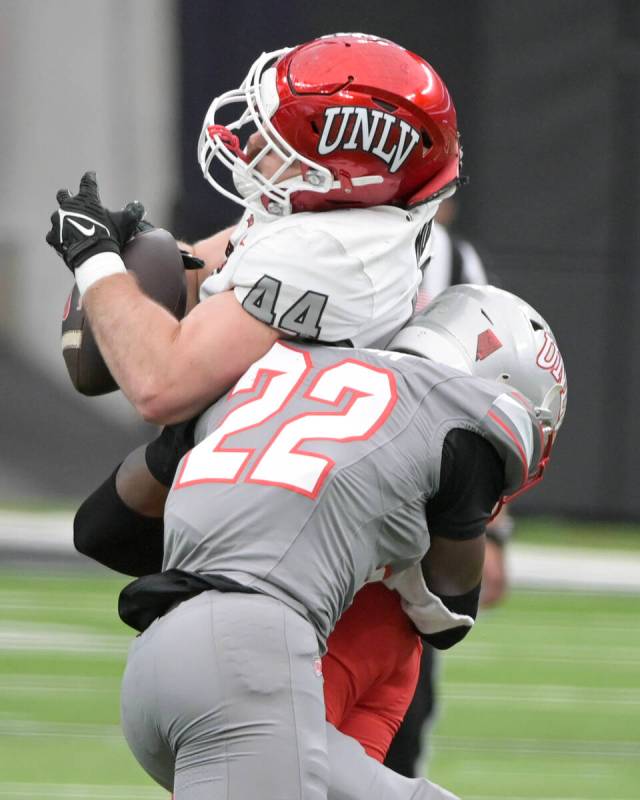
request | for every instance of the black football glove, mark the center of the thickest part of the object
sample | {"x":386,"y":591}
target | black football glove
{"x":163,"y":454}
{"x":189,"y":261}
{"x":83,"y":227}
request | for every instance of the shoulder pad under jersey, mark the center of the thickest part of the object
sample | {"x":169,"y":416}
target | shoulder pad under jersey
{"x":512,"y":428}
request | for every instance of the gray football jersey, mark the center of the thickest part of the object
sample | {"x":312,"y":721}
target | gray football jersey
{"x":313,"y":473}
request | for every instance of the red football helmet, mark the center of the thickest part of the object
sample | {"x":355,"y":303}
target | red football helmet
{"x":363,"y":121}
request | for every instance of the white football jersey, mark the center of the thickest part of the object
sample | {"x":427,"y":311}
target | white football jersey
{"x":333,"y":276}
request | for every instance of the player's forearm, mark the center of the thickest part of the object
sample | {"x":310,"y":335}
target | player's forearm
{"x":136,"y":337}
{"x":452,"y":570}
{"x":453,"y":567}
{"x":465,"y":605}
{"x":173,"y":370}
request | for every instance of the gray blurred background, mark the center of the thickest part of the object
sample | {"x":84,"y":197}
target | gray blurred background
{"x":548,"y":100}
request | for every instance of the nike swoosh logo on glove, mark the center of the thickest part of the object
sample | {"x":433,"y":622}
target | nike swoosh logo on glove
{"x":73,"y":217}
{"x":87,"y":231}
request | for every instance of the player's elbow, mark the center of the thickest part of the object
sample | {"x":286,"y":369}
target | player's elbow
{"x":176,"y":395}
{"x":163,"y":403}
{"x":156,"y":411}
{"x":153,"y":410}
{"x":152,"y":398}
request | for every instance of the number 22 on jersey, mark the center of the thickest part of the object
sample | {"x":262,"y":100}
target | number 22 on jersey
{"x":361,"y":396}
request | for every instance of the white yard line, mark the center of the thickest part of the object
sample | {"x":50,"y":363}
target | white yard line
{"x":569,"y":568}
{"x":572,"y":748}
{"x":63,"y":730}
{"x":530,"y":566}
{"x":31,"y":532}
{"x":14,"y":682}
{"x":544,"y":694}
{"x":40,"y":637}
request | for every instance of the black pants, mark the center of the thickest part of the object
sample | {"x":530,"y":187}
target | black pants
{"x":407,"y":744}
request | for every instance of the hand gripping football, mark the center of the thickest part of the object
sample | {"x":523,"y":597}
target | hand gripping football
{"x":156,"y":261}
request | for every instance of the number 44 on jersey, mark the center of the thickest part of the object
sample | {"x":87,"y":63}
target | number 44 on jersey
{"x":302,"y":318}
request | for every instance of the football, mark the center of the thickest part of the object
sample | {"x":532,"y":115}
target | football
{"x":155,"y":259}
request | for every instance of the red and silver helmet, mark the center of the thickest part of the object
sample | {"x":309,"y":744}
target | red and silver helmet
{"x":365,"y":121}
{"x":493,"y":334}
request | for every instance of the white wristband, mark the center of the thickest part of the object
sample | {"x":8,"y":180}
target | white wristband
{"x":99,"y":266}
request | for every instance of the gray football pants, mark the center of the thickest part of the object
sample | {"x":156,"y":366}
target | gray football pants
{"x":353,"y":775}
{"x":222,"y":699}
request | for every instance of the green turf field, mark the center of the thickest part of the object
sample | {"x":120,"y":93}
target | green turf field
{"x":541,"y":701}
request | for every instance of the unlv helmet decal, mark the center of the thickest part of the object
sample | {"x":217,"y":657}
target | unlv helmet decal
{"x":397,"y":136}
{"x":549,"y":358}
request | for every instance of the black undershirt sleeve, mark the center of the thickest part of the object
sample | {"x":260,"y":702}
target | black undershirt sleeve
{"x":471,"y":483}
{"x":107,"y":530}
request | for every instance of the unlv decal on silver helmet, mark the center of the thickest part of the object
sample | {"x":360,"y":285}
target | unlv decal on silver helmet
{"x":549,"y":358}
{"x":368,"y":126}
